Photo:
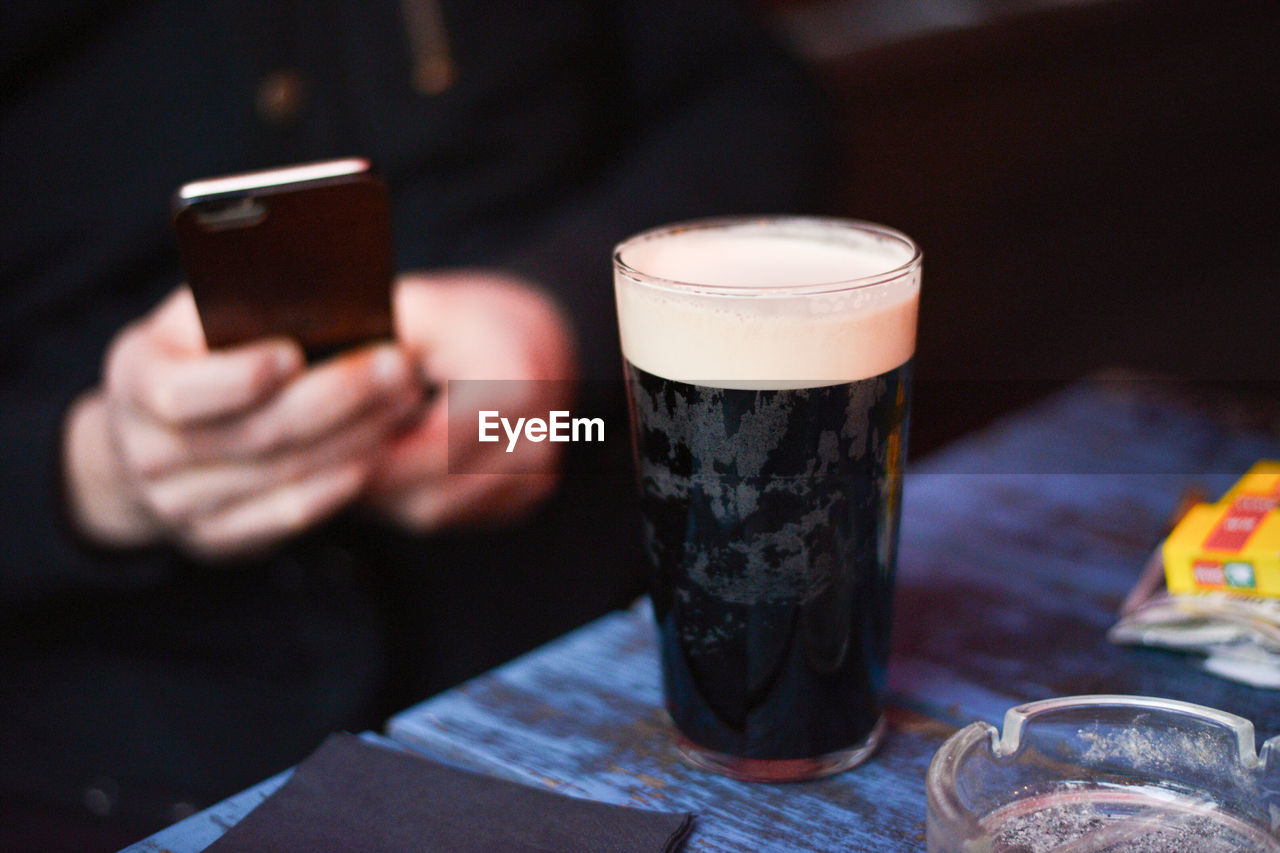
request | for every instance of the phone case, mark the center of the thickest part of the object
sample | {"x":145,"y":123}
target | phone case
{"x":309,"y":258}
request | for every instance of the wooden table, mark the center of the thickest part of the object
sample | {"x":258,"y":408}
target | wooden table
{"x":1019,"y":544}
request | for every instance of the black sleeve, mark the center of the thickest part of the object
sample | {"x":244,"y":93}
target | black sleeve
{"x":714,"y":117}
{"x":44,"y":558}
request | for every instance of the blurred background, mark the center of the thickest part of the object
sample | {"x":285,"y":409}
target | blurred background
{"x":1095,"y":184}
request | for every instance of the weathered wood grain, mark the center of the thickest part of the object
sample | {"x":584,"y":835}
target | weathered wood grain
{"x":582,"y":716}
{"x":1018,"y":545}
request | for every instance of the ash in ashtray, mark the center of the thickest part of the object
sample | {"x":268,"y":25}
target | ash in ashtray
{"x":1125,"y":821}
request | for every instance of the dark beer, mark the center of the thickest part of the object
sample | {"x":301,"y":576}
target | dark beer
{"x":771,"y":523}
{"x":768,"y":367}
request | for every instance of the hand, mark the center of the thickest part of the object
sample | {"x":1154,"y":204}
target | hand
{"x":474,"y":325}
{"x":226,"y":453}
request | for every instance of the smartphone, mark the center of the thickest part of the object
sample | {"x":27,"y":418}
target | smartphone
{"x":302,"y":251}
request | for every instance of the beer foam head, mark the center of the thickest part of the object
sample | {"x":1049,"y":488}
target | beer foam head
{"x":775,"y":303}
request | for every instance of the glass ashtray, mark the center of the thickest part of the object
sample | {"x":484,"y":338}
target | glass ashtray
{"x":1105,"y":774}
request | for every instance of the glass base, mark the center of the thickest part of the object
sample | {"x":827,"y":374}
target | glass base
{"x":780,"y":769}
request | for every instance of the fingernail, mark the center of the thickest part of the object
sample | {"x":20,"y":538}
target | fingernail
{"x":287,"y":358}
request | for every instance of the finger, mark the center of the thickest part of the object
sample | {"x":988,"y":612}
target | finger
{"x":321,"y":401}
{"x":419,"y":454}
{"x":446,"y":439}
{"x":329,"y":396}
{"x":483,"y":324}
{"x":179,"y":498}
{"x":160,"y":367}
{"x":177,"y":322}
{"x":282,"y":513}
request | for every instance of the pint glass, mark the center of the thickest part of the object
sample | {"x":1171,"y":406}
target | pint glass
{"x":768,"y":364}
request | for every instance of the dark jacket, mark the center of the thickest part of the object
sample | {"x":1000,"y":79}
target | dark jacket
{"x":568,"y":125}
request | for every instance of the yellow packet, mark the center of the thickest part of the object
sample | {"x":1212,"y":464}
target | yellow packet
{"x":1232,"y":545}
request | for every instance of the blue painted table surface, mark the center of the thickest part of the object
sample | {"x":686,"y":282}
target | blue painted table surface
{"x":1018,"y":545}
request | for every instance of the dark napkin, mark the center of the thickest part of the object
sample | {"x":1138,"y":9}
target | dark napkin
{"x":352,"y":795}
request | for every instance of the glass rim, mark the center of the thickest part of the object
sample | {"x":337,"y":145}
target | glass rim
{"x":829,"y":223}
